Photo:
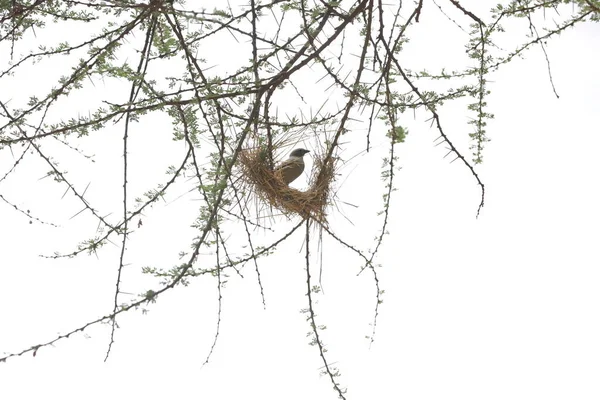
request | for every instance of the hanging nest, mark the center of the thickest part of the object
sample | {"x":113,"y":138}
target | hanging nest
{"x":268,"y":187}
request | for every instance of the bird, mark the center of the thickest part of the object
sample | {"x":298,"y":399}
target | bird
{"x":291,"y":168}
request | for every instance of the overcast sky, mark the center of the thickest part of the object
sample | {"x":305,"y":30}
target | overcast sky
{"x":503,"y":306}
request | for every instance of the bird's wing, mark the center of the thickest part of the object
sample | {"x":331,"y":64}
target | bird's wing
{"x":289,"y":170}
{"x":289,"y":163}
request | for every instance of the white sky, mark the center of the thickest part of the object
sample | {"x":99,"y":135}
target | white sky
{"x":504,"y":306}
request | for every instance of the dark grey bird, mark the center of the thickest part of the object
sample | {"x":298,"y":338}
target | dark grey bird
{"x":293,"y":167}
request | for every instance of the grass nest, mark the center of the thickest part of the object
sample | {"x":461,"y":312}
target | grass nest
{"x":268,"y":187}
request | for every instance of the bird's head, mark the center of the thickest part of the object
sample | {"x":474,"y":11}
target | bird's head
{"x":299,"y":153}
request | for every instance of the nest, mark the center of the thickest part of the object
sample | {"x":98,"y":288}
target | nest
{"x":270,"y":189}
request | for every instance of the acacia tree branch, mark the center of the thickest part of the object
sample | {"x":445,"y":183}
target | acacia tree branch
{"x":466,"y":12}
{"x":135,"y":88}
{"x":333,"y":374}
{"x":223,"y":115}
